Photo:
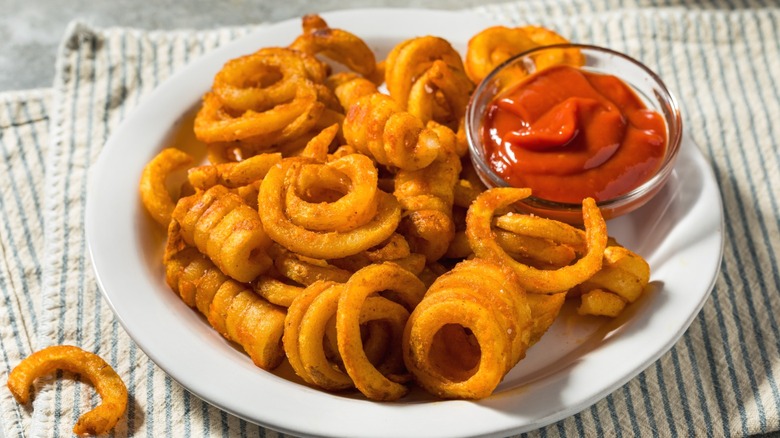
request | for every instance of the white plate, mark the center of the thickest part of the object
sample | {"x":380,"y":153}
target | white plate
{"x":576,"y":364}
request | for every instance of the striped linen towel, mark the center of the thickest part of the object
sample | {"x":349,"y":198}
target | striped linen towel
{"x":24,"y":140}
{"x":719,"y":379}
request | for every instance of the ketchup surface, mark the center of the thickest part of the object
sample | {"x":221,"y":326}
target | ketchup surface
{"x":568,"y":134}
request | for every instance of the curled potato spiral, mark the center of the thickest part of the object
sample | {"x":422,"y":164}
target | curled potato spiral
{"x":544,"y":310}
{"x":311,"y":337}
{"x":440,"y":94}
{"x":547,"y":37}
{"x":483,"y":242}
{"x":318,"y":147}
{"x":349,"y":87}
{"x":304,"y":334}
{"x":354,"y":175}
{"x":378,"y":214}
{"x":337,"y":44}
{"x":491,"y":47}
{"x":473,"y":325}
{"x":623,"y":277}
{"x":410,"y":59}
{"x":233,"y":174}
{"x":227,"y":230}
{"x":216,"y":123}
{"x":232,"y":308}
{"x":539,"y":242}
{"x":377,"y":126}
{"x":623,"y":273}
{"x":154,"y":194}
{"x":266,"y":78}
{"x":90,"y":366}
{"x":427,"y":196}
{"x":408,"y":290}
{"x":395,"y":249}
{"x":494,"y":45}
{"x":276,"y":291}
{"x":305,"y":270}
{"x":292,"y":273}
{"x":268,"y":98}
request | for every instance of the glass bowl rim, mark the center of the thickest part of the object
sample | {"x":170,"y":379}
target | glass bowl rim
{"x":674,"y":136}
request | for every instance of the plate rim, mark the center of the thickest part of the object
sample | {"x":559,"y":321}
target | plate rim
{"x":94,"y":249}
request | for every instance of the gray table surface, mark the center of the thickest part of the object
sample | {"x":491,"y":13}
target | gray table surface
{"x":30,"y":30}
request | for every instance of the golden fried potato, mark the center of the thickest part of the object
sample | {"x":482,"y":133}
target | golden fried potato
{"x":623,"y":273}
{"x":473,"y":325}
{"x":226,"y":229}
{"x":232,"y":308}
{"x":494,"y":45}
{"x":408,"y":290}
{"x":377,"y":126}
{"x":322,"y":244}
{"x":427,"y":196}
{"x":410,"y":59}
{"x":107,"y":383}
{"x":154,"y":194}
{"x":602,"y":303}
{"x":483,"y":241}
{"x":337,"y":44}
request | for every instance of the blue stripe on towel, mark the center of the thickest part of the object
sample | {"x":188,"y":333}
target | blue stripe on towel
{"x":14,"y":249}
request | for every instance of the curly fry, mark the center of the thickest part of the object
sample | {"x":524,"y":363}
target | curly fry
{"x":357,"y":206}
{"x":623,"y":277}
{"x":276,"y":291}
{"x":377,"y":126}
{"x":427,"y":196}
{"x":214,"y":123}
{"x":494,"y":45}
{"x":317,"y":148}
{"x":542,"y":228}
{"x":546,"y":37}
{"x":544,"y":310}
{"x":535,"y":252}
{"x":106,"y":381}
{"x":306,"y":323}
{"x":491,"y":47}
{"x":349,"y":87}
{"x":305,"y":270}
{"x":473,"y":325}
{"x":310,"y":336}
{"x":601,"y":303}
{"x":233,"y":174}
{"x":266,"y":78}
{"x":440,"y":86}
{"x":469,"y":186}
{"x":411,"y":58}
{"x":395,"y":249}
{"x":337,"y":44}
{"x":319,"y":243}
{"x":231,"y":308}
{"x":483,"y":241}
{"x":623,"y":273}
{"x":154,"y":194}
{"x":226,"y":229}
{"x":269,"y":98}
{"x":375,"y":278}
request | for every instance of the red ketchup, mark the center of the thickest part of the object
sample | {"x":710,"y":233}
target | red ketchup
{"x":568,"y":134}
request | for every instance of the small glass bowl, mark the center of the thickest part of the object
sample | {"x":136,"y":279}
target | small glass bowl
{"x":646,"y":84}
